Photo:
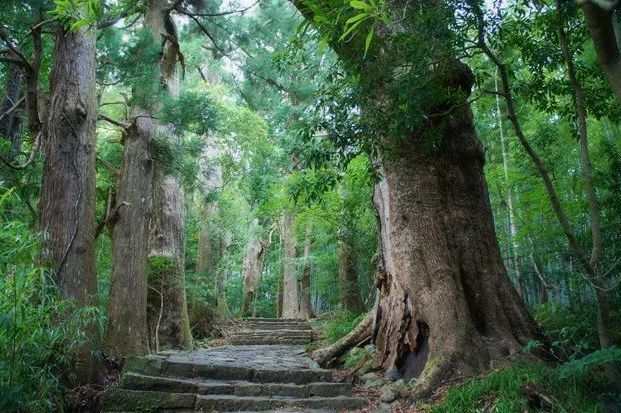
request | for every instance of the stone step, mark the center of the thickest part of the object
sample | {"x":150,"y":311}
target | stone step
{"x":241,"y":373}
{"x":276,"y":320}
{"x":276,"y":326}
{"x":122,"y":400}
{"x":236,"y":403}
{"x":275,"y":333}
{"x":135,"y":381}
{"x":268,"y":341}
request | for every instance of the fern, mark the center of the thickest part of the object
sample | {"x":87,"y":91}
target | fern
{"x":585,"y":364}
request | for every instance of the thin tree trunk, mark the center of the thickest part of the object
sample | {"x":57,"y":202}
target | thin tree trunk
{"x":68,"y":190}
{"x":10,"y":122}
{"x":347,"y":264}
{"x":510,"y":204}
{"x":222,"y":303}
{"x":306,"y":309}
{"x":252,"y":266}
{"x":598,"y":281}
{"x":290,"y":281}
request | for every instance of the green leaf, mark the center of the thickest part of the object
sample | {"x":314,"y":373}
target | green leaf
{"x":367,"y":42}
{"x":356,"y":18}
{"x":359,"y":5}
{"x":351,"y":29}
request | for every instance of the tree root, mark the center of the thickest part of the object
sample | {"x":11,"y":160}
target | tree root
{"x":359,"y":334}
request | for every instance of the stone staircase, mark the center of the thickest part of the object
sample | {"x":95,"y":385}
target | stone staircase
{"x":234,"y":378}
{"x":262,"y":331}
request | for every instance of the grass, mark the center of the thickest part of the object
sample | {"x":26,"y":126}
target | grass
{"x":524,"y":387}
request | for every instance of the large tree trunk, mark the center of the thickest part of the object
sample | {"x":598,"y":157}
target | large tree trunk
{"x":253,"y":264}
{"x":446,"y":290}
{"x":603,"y":24}
{"x":10,"y":121}
{"x":68,"y":190}
{"x":167,"y":307}
{"x":225,"y":254}
{"x":167,"y":313}
{"x":126,"y":331}
{"x":347,"y":263}
{"x":305,"y":307}
{"x":290,"y":280}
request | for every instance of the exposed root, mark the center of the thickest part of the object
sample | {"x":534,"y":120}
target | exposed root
{"x":358,"y":335}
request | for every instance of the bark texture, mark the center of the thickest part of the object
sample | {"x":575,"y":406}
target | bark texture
{"x":305,"y":307}
{"x":167,"y":269}
{"x":167,"y":225}
{"x":10,"y":121}
{"x":445,"y":282}
{"x":126,"y":331}
{"x":347,"y":263}
{"x":68,"y":190}
{"x":252,"y":266}
{"x":602,"y":24}
{"x":290,"y":280}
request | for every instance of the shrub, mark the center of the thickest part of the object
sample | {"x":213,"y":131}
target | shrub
{"x":39,"y":333}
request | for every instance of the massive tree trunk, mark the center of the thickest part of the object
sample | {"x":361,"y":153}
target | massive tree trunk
{"x":347,"y":263}
{"x":167,"y":306}
{"x":126,"y":331}
{"x":252,"y":266}
{"x":160,"y":200}
{"x":446,"y":290}
{"x":602,"y":21}
{"x":290,"y":279}
{"x":68,"y":190}
{"x":167,"y":315}
{"x":10,"y":120}
{"x":305,"y":307}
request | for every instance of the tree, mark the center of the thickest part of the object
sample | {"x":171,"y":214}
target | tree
{"x":252,"y":266}
{"x":445,"y":283}
{"x":68,"y":190}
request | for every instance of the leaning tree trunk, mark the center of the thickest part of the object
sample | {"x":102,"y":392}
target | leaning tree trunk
{"x":290,"y":280}
{"x":252,"y":266}
{"x":447,"y":288}
{"x":305,"y":307}
{"x":68,"y":190}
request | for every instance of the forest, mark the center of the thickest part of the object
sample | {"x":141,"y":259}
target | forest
{"x":418,"y":200}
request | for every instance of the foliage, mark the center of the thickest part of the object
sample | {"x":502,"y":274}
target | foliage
{"x":39,"y":333}
{"x":340,"y":324}
{"x":75,"y":14}
{"x":522,"y":387}
{"x":610,"y":355}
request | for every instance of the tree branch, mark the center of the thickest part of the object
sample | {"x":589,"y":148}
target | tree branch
{"x":31,"y":158}
{"x":14,"y":108}
{"x":113,"y":121}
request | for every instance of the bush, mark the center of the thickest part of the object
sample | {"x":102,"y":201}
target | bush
{"x":39,"y":333}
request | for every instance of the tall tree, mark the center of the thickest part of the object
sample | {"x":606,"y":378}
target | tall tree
{"x":68,"y":190}
{"x":305,"y":307}
{"x":252,"y":266}
{"x":290,"y":306}
{"x":167,"y":224}
{"x":438,"y":238}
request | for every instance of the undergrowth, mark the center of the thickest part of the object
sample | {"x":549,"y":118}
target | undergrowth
{"x":341,"y":324}
{"x":39,"y":333}
{"x":525,"y":387}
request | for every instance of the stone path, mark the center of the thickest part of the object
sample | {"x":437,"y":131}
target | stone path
{"x":249,"y":377}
